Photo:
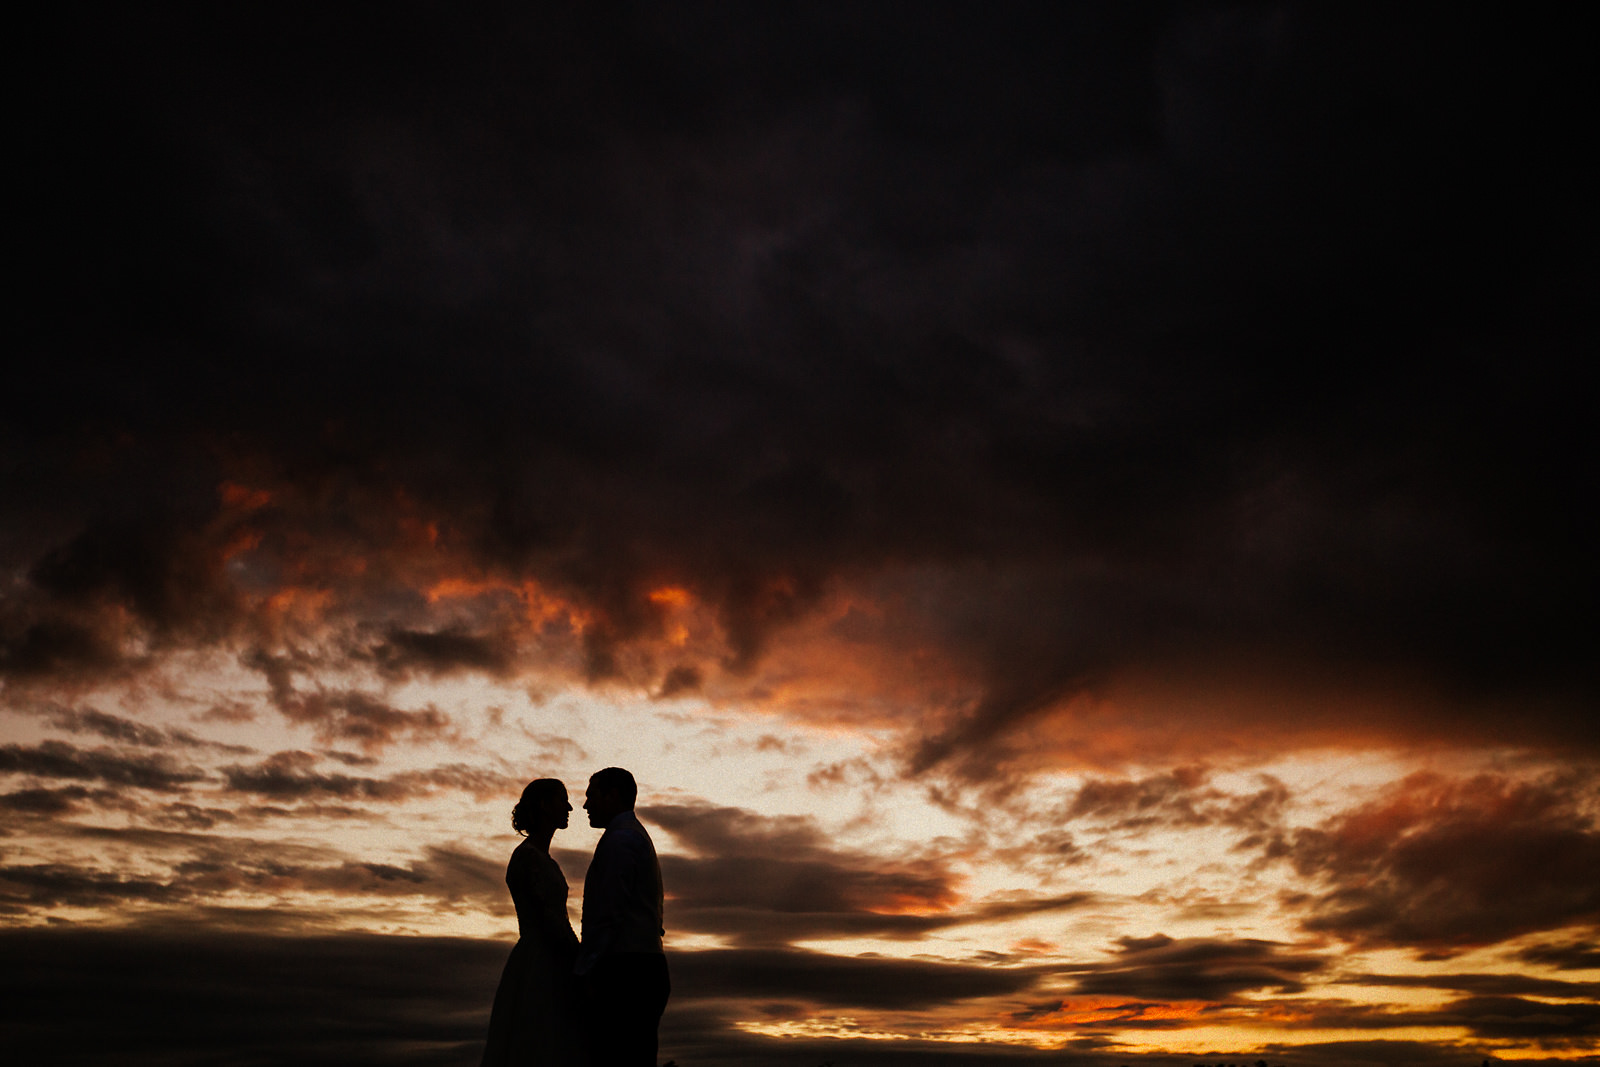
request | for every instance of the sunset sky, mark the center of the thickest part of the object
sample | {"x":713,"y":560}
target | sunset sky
{"x":1072,"y":513}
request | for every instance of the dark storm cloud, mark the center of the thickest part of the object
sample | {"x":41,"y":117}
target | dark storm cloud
{"x":764,"y":918}
{"x":128,"y":731}
{"x":110,"y":727}
{"x":155,"y":566}
{"x":834,"y":981}
{"x":1439,"y":865}
{"x":293,"y":775}
{"x":237,"y":997}
{"x":172,"y":996}
{"x":1484,"y":984}
{"x":45,"y":801}
{"x":1181,"y":798}
{"x":1239,"y":333}
{"x":1421,"y":1054}
{"x":441,"y":652}
{"x":29,"y":886}
{"x":178,"y":996}
{"x":761,"y":880}
{"x":59,"y":759}
{"x":741,"y":859}
{"x":188,"y":873}
{"x":1165,"y":968}
{"x":52,"y":646}
{"x":1575,"y":956}
{"x":351,"y":715}
{"x":442,"y":873}
{"x":344,"y":714}
{"x":1542,"y":1021}
{"x":678,"y":681}
{"x":182,"y":816}
{"x":123,"y":589}
{"x":1552,"y":1024}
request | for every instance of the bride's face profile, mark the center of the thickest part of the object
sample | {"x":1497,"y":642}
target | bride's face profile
{"x":542,"y":809}
{"x":556,"y":810}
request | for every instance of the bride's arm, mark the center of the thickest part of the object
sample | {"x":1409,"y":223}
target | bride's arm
{"x":551,"y":892}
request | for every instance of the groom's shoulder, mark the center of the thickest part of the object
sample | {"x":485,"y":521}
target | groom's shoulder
{"x":627,"y":827}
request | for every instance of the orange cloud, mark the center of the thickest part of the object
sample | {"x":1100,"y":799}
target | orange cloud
{"x":294,"y":603}
{"x":670,"y":596}
{"x":931,"y":898}
{"x":1438,"y":865}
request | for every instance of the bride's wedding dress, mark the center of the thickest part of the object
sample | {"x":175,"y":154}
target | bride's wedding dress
{"x":537,"y":1017}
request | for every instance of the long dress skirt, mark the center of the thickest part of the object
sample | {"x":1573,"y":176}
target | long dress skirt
{"x":537,"y":1016}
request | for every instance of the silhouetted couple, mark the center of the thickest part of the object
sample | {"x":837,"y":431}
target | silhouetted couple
{"x":598,"y":1002}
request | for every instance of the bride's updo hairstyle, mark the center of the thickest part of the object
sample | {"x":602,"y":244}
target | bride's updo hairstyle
{"x":524,"y":814}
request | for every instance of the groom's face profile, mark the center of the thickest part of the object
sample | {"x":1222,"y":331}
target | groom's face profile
{"x":602,"y":804}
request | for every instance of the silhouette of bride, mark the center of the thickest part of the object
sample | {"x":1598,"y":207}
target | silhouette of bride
{"x":536,"y":1015}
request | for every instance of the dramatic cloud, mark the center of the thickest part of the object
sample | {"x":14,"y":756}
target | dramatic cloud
{"x":853,"y":323}
{"x":1441,"y":864}
{"x":1486,"y":984}
{"x":110,"y":727}
{"x":369,"y":1000}
{"x":182,"y":998}
{"x":1181,"y":799}
{"x":1163,"y":968}
{"x":1518,"y":1017}
{"x":52,"y":647}
{"x":128,"y":731}
{"x":1576,"y":956}
{"x":1023,"y":486}
{"x":44,"y":885}
{"x":441,"y":652}
{"x":344,"y":715}
{"x":45,"y":801}
{"x":832,"y":981}
{"x":442,"y":874}
{"x":58,"y":759}
{"x":292,"y":776}
{"x":187,"y":873}
{"x":764,"y":880}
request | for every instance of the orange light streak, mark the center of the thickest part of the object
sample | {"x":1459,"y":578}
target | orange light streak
{"x":1090,"y":1011}
{"x":539,"y":607}
{"x":243,"y":497}
{"x":466,"y":588}
{"x":936,"y":902}
{"x":670,"y":596}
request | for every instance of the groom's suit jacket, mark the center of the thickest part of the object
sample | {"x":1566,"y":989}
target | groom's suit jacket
{"x":622,"y":896}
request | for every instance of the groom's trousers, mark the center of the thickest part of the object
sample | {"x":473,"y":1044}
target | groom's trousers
{"x":630,"y":991}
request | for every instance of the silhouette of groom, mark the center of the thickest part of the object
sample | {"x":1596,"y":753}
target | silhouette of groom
{"x":621,"y":957}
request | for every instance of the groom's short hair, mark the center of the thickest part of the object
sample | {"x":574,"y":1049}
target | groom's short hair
{"x":618,"y":781}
